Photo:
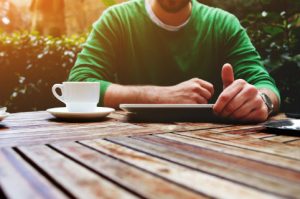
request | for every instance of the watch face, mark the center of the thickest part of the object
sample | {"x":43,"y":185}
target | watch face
{"x":268,"y":102}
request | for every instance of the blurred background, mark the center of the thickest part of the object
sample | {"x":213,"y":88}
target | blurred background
{"x":40,"y":39}
{"x":51,"y":17}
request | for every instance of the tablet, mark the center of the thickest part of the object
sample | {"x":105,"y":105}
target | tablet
{"x":169,"y":112}
{"x":139,"y":108}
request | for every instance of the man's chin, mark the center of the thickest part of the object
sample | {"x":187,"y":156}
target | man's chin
{"x":173,"y":6}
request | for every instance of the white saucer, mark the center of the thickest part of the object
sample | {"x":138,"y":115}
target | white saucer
{"x":4,"y":115}
{"x":63,"y":113}
{"x":2,"y":110}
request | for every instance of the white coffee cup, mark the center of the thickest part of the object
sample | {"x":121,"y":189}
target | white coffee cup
{"x":78,"y":96}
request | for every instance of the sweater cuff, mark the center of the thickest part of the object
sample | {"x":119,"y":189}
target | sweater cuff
{"x":270,"y":87}
{"x":103,"y":87}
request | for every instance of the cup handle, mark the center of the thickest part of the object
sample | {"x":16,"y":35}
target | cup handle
{"x":59,"y":97}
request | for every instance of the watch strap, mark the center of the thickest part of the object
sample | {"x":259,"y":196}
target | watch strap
{"x":267,"y":100}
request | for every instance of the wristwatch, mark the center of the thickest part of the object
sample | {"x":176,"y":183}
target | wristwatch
{"x":268,"y":102}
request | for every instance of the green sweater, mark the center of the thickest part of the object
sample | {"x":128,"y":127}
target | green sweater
{"x":126,"y":47}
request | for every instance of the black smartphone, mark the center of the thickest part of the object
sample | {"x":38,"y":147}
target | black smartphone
{"x":293,"y":115}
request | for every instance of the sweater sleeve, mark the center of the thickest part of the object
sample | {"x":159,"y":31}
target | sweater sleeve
{"x":240,"y":52}
{"x":97,"y":60}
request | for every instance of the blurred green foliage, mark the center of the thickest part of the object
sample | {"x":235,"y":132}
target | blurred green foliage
{"x":276,"y":35}
{"x":273,"y":25}
{"x":30,"y":64}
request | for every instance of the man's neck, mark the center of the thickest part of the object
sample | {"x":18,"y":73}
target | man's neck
{"x":172,"y":19}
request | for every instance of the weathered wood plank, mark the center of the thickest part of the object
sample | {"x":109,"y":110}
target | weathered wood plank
{"x":77,"y":132}
{"x":279,"y":116}
{"x":250,"y":130}
{"x":19,"y":180}
{"x":119,"y":115}
{"x":43,"y":119}
{"x":33,"y":116}
{"x":260,"y":135}
{"x":191,"y":126}
{"x":28,"y":115}
{"x":126,"y":175}
{"x":225,"y":166}
{"x":248,"y":142}
{"x":190,"y":145}
{"x":25,"y":119}
{"x":239,"y":129}
{"x":294,"y":143}
{"x":281,"y":138}
{"x":79,"y":181}
{"x":49,"y":127}
{"x":199,"y":181}
{"x":178,"y":127}
{"x":266,"y":158}
{"x":169,"y":127}
{"x":62,"y":128}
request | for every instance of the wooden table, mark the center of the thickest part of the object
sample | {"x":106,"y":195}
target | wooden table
{"x":44,"y":158}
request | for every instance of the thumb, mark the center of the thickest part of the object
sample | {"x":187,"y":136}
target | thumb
{"x":227,"y":75}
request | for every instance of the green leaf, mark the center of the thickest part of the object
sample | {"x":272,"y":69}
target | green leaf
{"x":273,"y":30}
{"x":296,"y":59}
{"x":108,"y":3}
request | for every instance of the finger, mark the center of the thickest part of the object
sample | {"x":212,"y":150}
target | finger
{"x":227,"y":75}
{"x":202,"y":100}
{"x":208,"y":86}
{"x":227,"y":95}
{"x":205,"y":93}
{"x":199,"y":90}
{"x":199,"y":99}
{"x":257,"y":115}
{"x":248,"y":107}
{"x":247,"y":93}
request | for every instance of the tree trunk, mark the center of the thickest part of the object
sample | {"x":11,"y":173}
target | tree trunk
{"x":48,"y":17}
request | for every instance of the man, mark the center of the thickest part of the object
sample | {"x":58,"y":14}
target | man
{"x":172,"y":51}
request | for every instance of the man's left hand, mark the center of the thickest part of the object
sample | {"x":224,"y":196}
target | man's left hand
{"x":239,"y":99}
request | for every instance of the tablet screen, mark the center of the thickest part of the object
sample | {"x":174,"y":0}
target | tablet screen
{"x":288,"y":124}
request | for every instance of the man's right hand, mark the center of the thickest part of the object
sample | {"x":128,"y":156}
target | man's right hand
{"x":193,"y":91}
